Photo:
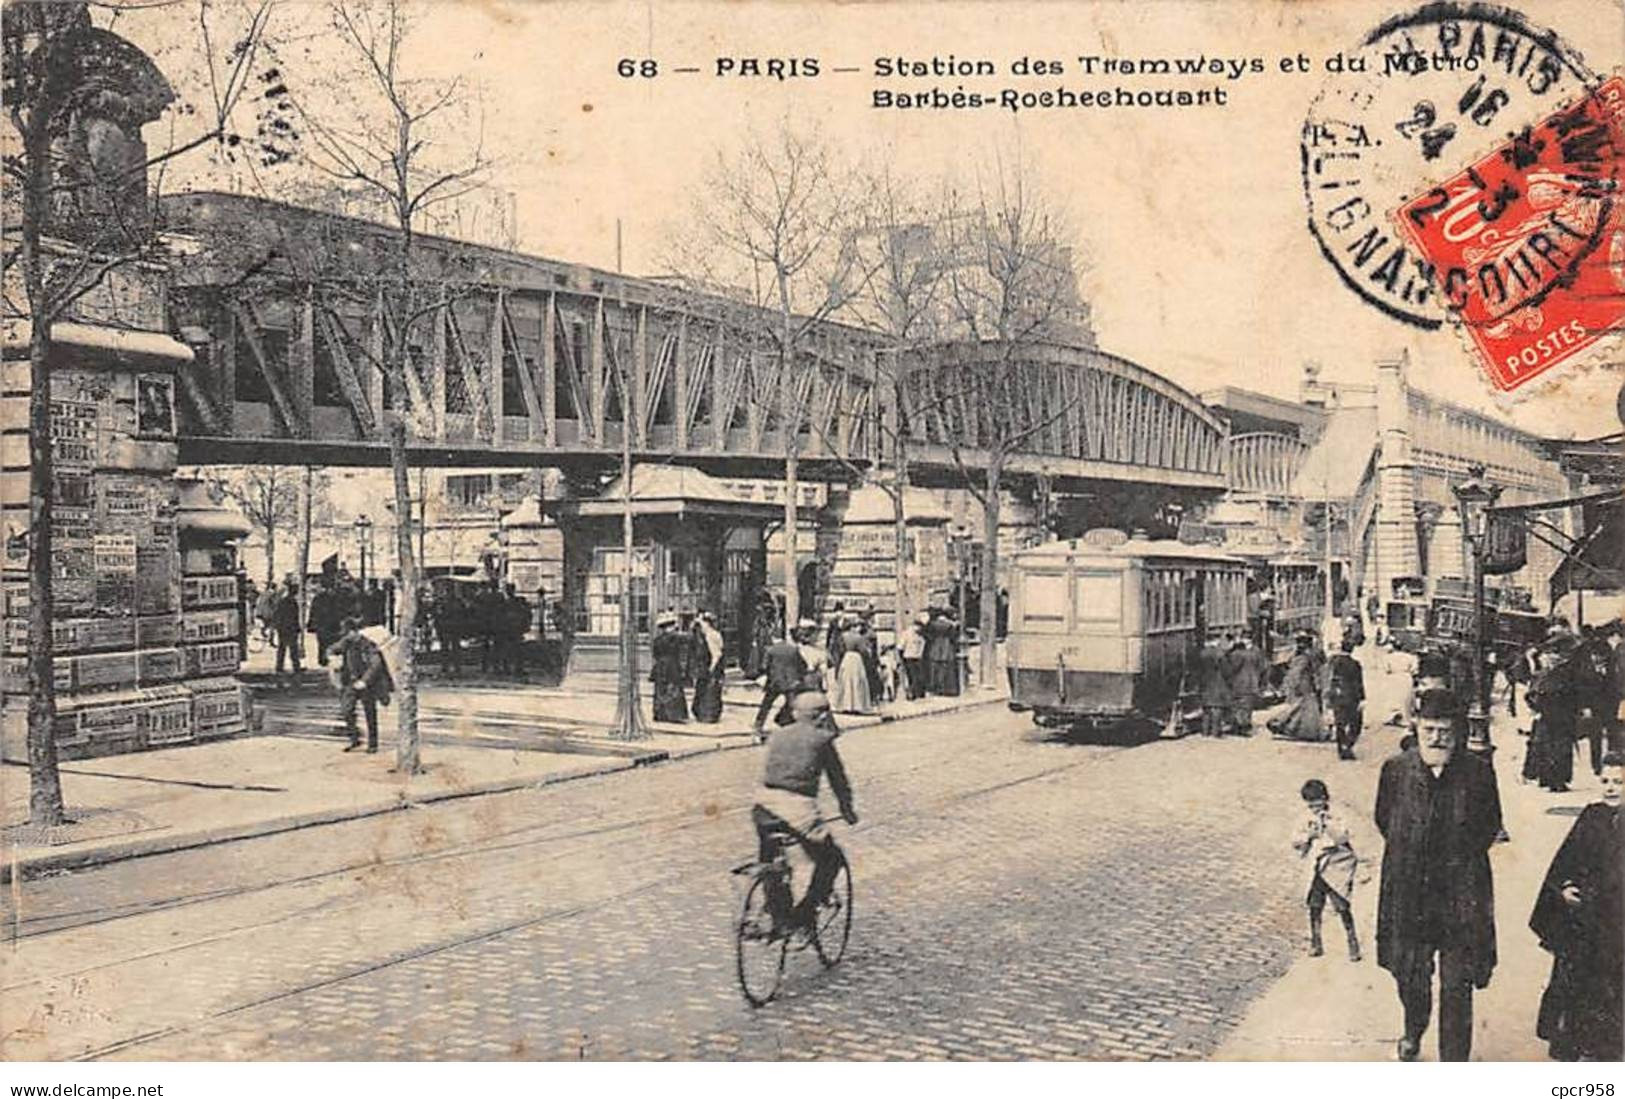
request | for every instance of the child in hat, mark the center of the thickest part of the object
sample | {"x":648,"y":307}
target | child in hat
{"x":1325,"y":840}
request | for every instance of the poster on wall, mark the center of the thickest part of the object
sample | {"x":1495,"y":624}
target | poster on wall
{"x":154,"y":406}
{"x":115,"y":558}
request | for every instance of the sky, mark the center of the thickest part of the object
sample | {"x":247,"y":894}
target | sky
{"x":1200,"y":265}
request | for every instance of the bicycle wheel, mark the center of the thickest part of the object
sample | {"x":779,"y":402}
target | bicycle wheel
{"x":758,"y":948}
{"x":832,"y":925}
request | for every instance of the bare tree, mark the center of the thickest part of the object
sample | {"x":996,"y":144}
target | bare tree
{"x":405,"y":143}
{"x":269,"y":498}
{"x":78,"y":209}
{"x":901,"y":244}
{"x":1011,"y":283}
{"x":779,"y":219}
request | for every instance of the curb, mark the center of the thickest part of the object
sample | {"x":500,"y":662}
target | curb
{"x":122,"y":851}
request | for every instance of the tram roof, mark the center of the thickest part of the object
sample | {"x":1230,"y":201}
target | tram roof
{"x":1133,"y":547}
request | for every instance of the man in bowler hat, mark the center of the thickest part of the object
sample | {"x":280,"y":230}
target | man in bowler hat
{"x":1439,"y":812}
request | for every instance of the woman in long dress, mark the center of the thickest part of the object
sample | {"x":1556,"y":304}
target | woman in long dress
{"x":667,"y":651}
{"x":708,"y":670}
{"x":1578,"y":917}
{"x":852,"y":680}
{"x":1303,"y":720}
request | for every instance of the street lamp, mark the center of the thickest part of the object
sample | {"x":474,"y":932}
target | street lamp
{"x":363,"y":543}
{"x":1474,"y":498}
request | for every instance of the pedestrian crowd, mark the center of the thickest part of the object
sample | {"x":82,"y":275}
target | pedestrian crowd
{"x":453,"y":619}
{"x":855,"y":666}
{"x":687,"y":657}
{"x":283,"y":619}
{"x":1438,"y":810}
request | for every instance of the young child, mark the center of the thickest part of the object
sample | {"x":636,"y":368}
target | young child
{"x":1325,"y":838}
{"x":889,"y":664}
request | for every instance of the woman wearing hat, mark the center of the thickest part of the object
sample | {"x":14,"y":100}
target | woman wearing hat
{"x":707,"y":669}
{"x":1302,"y":689}
{"x":668,"y":650}
{"x":852,"y":676}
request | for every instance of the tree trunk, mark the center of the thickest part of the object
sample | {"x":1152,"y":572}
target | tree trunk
{"x":270,"y":542}
{"x":628,"y":724}
{"x":44,"y":780}
{"x":792,"y":593}
{"x":901,"y":610}
{"x":987,"y":622}
{"x":407,"y":756}
{"x":307,"y":503}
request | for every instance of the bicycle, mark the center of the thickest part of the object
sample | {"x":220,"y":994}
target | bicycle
{"x":763,"y":936}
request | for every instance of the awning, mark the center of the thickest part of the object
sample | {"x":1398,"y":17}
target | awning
{"x":1597,"y":561}
{"x":126,"y":344}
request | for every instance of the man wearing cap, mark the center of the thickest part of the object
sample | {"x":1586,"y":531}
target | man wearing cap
{"x":1439,"y":811}
{"x":784,"y":668}
{"x":362,"y":678}
{"x":799,"y":757}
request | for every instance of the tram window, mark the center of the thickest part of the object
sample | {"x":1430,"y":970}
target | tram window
{"x":1100,"y":596}
{"x":1043,"y":601}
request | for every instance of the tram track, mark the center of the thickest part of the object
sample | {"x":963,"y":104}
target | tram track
{"x":502,"y":842}
{"x":662,"y":831}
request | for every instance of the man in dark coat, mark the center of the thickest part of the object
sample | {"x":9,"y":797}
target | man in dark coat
{"x":669,"y":653}
{"x":1345,"y":691}
{"x":363,"y":679}
{"x":289,"y":641}
{"x":1580,"y":919}
{"x":785,"y":669}
{"x":1439,"y":811}
{"x":1555,"y":695}
{"x":326,"y":617}
{"x":450,"y":623}
{"x":1214,"y":670}
{"x":942,"y":652}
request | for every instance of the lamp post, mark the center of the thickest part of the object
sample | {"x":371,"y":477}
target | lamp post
{"x":363,"y":543}
{"x":1474,"y":498}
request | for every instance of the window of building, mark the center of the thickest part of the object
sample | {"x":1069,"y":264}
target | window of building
{"x":597,"y":609}
{"x":468,"y":489}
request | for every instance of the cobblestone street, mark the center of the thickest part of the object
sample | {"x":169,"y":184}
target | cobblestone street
{"x":1015,"y":897}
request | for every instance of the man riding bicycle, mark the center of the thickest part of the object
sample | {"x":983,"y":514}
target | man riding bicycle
{"x":798,"y":755}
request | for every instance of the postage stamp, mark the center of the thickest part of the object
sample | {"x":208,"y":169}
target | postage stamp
{"x":1526,"y":244}
{"x":1436,"y":102}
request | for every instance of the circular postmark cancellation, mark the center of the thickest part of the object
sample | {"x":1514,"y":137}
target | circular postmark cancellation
{"x":1462,"y":164}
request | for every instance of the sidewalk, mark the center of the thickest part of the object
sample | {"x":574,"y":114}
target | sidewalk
{"x":478,"y":738}
{"x":1327,"y":1009}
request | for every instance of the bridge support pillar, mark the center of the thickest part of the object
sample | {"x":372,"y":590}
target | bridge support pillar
{"x":1395,"y":549}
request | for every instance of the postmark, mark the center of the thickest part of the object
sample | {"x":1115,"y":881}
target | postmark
{"x":1526,"y":242}
{"x":1426,"y":94}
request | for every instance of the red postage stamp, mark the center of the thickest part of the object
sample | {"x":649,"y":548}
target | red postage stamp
{"x":1527,"y":245}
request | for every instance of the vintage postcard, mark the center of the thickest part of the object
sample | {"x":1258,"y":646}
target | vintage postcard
{"x":739,"y":531}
